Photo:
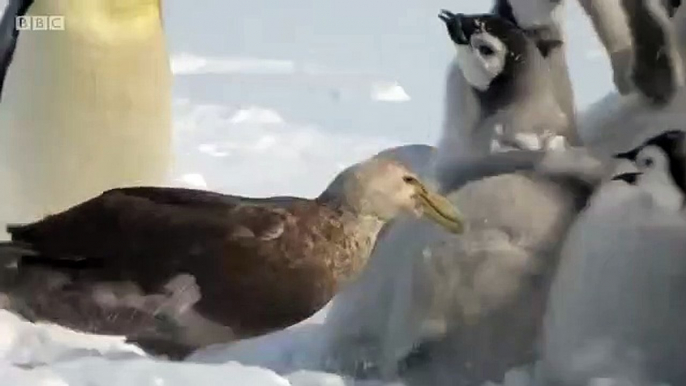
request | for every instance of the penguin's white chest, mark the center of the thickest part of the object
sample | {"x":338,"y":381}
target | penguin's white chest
{"x":616,"y":307}
{"x":80,"y":116}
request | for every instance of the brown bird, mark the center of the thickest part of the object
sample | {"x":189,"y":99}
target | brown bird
{"x":192,"y":268}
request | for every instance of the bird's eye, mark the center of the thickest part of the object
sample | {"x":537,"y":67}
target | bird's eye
{"x":409,"y":179}
{"x":647,"y":162}
{"x":485,"y":50}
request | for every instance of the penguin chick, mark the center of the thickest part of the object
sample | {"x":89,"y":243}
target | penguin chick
{"x":499,"y":92}
{"x":542,"y":21}
{"x":616,"y":305}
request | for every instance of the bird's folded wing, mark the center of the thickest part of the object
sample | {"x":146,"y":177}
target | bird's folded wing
{"x":196,"y":197}
{"x":178,"y":196}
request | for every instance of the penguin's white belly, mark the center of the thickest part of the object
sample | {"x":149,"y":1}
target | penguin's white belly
{"x":617,"y":304}
{"x":78,"y":118}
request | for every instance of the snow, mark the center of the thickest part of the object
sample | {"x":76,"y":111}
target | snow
{"x":48,"y":355}
{"x":249,"y":149}
{"x":192,"y":180}
{"x":389,"y":92}
{"x":23,"y":343}
{"x":256,"y":115}
{"x":189,"y":64}
{"x":97,"y":371}
{"x":282,"y":97}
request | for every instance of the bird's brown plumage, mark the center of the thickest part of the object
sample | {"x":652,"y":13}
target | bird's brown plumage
{"x":260,"y":267}
{"x":173,"y":263}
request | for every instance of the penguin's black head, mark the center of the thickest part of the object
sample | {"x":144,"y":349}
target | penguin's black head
{"x":528,"y":14}
{"x":459,"y":29}
{"x":536,"y":18}
{"x":489,"y":47}
{"x":672,"y":6}
{"x":462,"y":27}
{"x":671,"y":145}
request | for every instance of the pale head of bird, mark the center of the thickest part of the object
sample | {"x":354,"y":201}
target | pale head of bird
{"x":383,"y":188}
{"x":107,"y":21}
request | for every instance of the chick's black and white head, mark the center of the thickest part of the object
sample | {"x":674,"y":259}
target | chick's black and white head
{"x":671,"y":6}
{"x":489,"y":47}
{"x":660,"y":162}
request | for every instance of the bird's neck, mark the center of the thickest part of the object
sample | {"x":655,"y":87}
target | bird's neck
{"x":366,"y":222}
{"x":462,"y":114}
{"x":352,"y":205}
{"x":362,"y":230}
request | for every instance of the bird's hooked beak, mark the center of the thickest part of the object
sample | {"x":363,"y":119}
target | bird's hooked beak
{"x":629,"y":177}
{"x":455,"y":22}
{"x":437,"y":208}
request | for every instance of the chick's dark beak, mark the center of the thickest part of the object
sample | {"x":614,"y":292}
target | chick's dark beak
{"x":454,"y":22}
{"x":629,"y":155}
{"x":629,"y":178}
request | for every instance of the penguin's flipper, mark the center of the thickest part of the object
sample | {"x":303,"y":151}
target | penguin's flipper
{"x":454,"y":175}
{"x":573,"y":163}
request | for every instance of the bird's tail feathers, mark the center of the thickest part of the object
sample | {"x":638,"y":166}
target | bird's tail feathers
{"x":15,"y":249}
{"x":11,"y":228}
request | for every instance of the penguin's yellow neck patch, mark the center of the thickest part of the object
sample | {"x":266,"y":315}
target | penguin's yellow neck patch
{"x":133,"y":9}
{"x":108,"y":21}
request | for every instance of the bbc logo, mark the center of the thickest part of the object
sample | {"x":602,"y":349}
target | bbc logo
{"x":39,"y":23}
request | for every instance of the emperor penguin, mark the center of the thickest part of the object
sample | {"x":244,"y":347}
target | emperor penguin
{"x":616,"y":309}
{"x":83,"y":108}
{"x":435,"y":309}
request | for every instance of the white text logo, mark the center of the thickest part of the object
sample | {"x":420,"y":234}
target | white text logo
{"x":39,"y":23}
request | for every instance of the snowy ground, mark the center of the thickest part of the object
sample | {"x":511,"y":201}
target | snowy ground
{"x":297,"y":93}
{"x":49,"y":355}
{"x":275,"y":100}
